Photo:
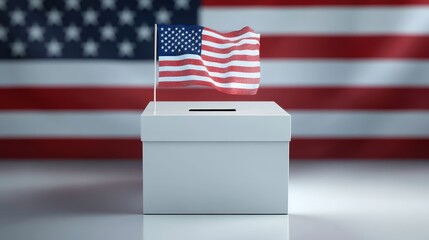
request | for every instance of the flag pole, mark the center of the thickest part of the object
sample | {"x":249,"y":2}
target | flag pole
{"x":155,"y":75}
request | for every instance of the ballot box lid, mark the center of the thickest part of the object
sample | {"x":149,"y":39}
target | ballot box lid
{"x":215,"y":121}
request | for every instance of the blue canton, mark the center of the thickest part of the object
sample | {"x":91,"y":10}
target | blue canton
{"x":174,"y":40}
{"x":87,"y":29}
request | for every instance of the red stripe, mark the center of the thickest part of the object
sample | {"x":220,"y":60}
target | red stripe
{"x":244,"y":3}
{"x":132,"y":149}
{"x":346,"y":47}
{"x":360,"y":148}
{"x":177,"y":63}
{"x":233,"y":91}
{"x":233,"y":33}
{"x":229,"y":59}
{"x":221,"y":41}
{"x":230,"y":49}
{"x":132,"y":98}
{"x":189,"y":72}
{"x":70,"y":148}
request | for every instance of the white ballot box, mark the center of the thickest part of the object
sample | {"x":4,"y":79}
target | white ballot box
{"x":215,"y":158}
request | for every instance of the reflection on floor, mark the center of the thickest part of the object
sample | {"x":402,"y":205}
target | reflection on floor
{"x":215,"y":227}
{"x":102,"y":200}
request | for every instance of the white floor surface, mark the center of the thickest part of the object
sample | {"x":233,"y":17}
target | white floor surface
{"x":341,"y":199}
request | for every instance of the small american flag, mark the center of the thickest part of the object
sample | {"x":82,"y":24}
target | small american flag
{"x":195,"y":55}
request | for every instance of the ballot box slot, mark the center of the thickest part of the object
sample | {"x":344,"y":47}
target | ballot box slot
{"x":212,"y":110}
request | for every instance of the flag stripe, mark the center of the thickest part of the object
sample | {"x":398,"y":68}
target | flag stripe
{"x":346,"y":47}
{"x":344,"y":124}
{"x":361,"y":148}
{"x":314,"y":3}
{"x":217,"y":76}
{"x":300,"y":72}
{"x":243,"y":54}
{"x":230,"y":88}
{"x":250,"y":61}
{"x":193,"y":65}
{"x":239,"y":41}
{"x":234,"y":36}
{"x":230,"y":77}
{"x":215,"y":45}
{"x":212,"y":65}
{"x":300,"y":148}
{"x":71,"y":148}
{"x":321,"y":20}
{"x":223,"y":49}
{"x":246,"y":59}
{"x":291,"y":98}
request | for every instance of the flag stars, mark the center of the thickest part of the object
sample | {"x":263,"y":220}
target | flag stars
{"x":90,"y":48}
{"x":126,"y":17}
{"x":163,"y":16}
{"x":72,"y":5}
{"x":54,"y":17}
{"x":35,"y":33}
{"x":35,"y":4}
{"x":72,"y":33}
{"x":18,"y":48}
{"x":181,"y":40}
{"x":144,"y":33}
{"x":145,"y":4}
{"x":17,"y":17}
{"x":2,"y":4}
{"x":181,"y":4}
{"x":3,"y":33}
{"x":108,"y":32}
{"x":126,"y":49}
{"x":108,"y":4}
{"x":54,"y":48}
{"x":90,"y":17}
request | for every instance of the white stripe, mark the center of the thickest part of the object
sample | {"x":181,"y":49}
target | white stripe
{"x":360,"y":123}
{"x":211,"y":64}
{"x":206,"y":79}
{"x":180,"y":57}
{"x":242,"y":36}
{"x":70,"y":124}
{"x":273,"y":73}
{"x":76,"y":73}
{"x":192,"y":67}
{"x":344,"y":73}
{"x":230,"y":54}
{"x":320,"y":20}
{"x":213,"y":74}
{"x":232,"y":63}
{"x":121,"y":124}
{"x":228,"y":45}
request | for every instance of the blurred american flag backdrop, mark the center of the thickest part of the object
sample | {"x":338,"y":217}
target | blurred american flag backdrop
{"x":75,"y":75}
